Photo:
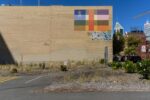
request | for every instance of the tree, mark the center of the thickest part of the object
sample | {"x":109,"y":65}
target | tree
{"x":130,"y":51}
{"x":132,"y":44}
{"x":133,"y":41}
{"x":118,"y":43}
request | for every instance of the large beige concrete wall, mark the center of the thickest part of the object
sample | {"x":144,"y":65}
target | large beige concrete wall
{"x":47,"y":34}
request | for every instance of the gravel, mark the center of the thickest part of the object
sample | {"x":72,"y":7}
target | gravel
{"x":98,"y":86}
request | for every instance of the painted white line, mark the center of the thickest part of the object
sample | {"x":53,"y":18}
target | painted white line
{"x":34,"y":79}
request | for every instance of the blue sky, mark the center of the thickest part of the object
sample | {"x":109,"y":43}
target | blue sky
{"x":124,"y":10}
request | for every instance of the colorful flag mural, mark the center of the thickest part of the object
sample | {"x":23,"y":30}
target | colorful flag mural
{"x":92,"y":20}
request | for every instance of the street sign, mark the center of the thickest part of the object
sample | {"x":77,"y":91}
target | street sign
{"x":143,"y":48}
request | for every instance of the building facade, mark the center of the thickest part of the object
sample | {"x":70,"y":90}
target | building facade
{"x":147,"y":30}
{"x":118,"y":28}
{"x":55,"y":33}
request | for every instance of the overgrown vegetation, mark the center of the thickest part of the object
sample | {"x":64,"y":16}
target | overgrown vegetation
{"x":132,"y":44}
{"x":144,"y":68}
{"x":63,"y":68}
{"x":116,"y":65}
{"x":129,"y":67}
{"x":50,"y":66}
{"x":14,"y":70}
{"x":102,"y":61}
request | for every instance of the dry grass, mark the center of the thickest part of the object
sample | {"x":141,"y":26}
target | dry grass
{"x":7,"y":78}
{"x":98,"y":74}
{"x":96,"y":78}
{"x":51,"y":66}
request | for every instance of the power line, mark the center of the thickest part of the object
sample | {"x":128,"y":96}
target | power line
{"x":142,"y":14}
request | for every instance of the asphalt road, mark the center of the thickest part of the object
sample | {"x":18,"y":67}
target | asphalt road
{"x":22,"y":89}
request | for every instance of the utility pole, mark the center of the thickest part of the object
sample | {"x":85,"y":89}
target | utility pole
{"x":106,"y":56}
{"x":20,"y":2}
{"x":39,"y":2}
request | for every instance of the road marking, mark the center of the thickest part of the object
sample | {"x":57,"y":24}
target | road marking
{"x":5,"y":79}
{"x":34,"y":79}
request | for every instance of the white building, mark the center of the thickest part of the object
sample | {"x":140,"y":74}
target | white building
{"x":118,"y":28}
{"x":147,"y":30}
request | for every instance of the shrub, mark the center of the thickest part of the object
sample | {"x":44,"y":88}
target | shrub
{"x":80,"y":63}
{"x":129,"y":67}
{"x":14,"y":70}
{"x":144,"y":68}
{"x":110,"y":64}
{"x":94,"y":62}
{"x":116,"y":65}
{"x":63,"y":68}
{"x":31,"y":65}
{"x":102,"y":61}
{"x":42,"y":65}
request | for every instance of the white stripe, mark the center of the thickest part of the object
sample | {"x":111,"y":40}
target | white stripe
{"x":29,"y":81}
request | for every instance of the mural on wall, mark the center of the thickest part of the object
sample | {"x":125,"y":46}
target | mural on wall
{"x":100,"y":35}
{"x":97,"y":22}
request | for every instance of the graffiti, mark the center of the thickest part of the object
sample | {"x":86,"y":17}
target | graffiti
{"x":100,"y":35}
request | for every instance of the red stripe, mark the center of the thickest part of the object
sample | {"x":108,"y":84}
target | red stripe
{"x":91,"y":20}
